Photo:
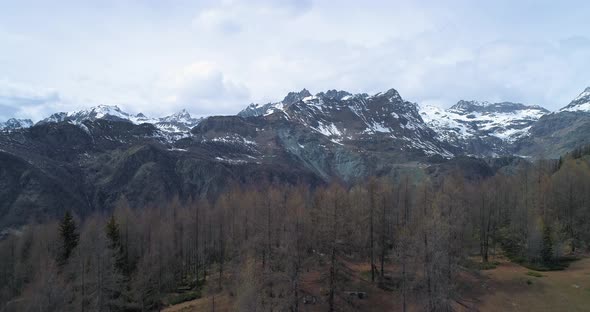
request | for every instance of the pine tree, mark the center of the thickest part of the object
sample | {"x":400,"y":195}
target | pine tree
{"x":547,"y":250}
{"x":117,"y":268}
{"x":114,"y":235}
{"x":68,"y":232}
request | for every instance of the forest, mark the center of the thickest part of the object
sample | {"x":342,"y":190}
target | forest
{"x":260,"y":245}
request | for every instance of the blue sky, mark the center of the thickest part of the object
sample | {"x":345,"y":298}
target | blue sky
{"x":215,"y":57}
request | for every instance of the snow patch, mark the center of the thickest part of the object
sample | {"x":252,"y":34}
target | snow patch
{"x":453,"y":124}
{"x":584,"y":107}
{"x":230,"y":161}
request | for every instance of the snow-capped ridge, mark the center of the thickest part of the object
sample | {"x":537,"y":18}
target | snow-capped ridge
{"x":464,"y":105}
{"x":100,"y":111}
{"x":182,"y":116}
{"x":580,"y":104}
{"x":15,"y":124}
{"x":392,"y":95}
{"x":306,"y":97}
{"x":181,"y":123}
{"x":177,"y":125}
{"x":293,"y":97}
{"x":477,"y":120}
{"x":335,"y":94}
{"x":346,"y":118}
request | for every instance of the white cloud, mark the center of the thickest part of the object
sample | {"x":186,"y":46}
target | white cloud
{"x":203,"y":88}
{"x":22,"y":101}
{"x":231,"y":17}
{"x":215,"y":57}
{"x":218,"y":20}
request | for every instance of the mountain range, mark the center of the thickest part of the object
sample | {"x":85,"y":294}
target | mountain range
{"x":89,"y":160}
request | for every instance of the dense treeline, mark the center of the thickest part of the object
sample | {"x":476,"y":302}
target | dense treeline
{"x":257,"y":242}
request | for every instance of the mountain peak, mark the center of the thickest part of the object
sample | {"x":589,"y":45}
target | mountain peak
{"x":114,"y":107}
{"x":181,"y":116}
{"x":476,"y":120}
{"x":580,"y":104}
{"x":486,"y":107}
{"x":13,"y":124}
{"x":183,"y":113}
{"x":464,"y":105}
{"x":584,"y":95}
{"x":106,"y":108}
{"x":334,"y":94}
{"x":392,"y":93}
{"x":176,"y":125}
{"x":97,"y":112}
{"x":293,"y":97}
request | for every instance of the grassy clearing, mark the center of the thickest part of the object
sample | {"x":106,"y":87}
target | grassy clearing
{"x":183,"y":297}
{"x":512,"y":287}
{"x":479,"y":265}
{"x":507,"y":287}
{"x":534,"y":274}
{"x":558,"y":265}
{"x":222,"y":303}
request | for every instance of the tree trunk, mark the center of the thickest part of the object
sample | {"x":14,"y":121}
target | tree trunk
{"x":332,"y":278}
{"x":371,"y":240}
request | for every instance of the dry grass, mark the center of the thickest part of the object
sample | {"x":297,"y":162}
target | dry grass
{"x":506,"y":289}
{"x":222,"y":304}
{"x":503,"y":288}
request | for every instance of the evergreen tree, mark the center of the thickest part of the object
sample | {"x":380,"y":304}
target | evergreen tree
{"x":114,"y":235}
{"x":547,"y":250}
{"x":68,"y":232}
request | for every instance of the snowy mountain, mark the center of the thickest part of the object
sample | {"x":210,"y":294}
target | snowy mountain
{"x":383,"y":123}
{"x":266,"y":109}
{"x":476,"y":126}
{"x":580,"y":103}
{"x":106,"y":112}
{"x":14,"y":124}
{"x":560,"y":132}
{"x":91,"y":157}
{"x":254,"y":110}
{"x":468,"y":127}
{"x":358,"y":120}
{"x":333,"y":134}
{"x":175,"y":126}
{"x":181,"y":122}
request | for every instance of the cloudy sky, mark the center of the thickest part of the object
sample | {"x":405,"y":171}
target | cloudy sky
{"x":215,"y":57}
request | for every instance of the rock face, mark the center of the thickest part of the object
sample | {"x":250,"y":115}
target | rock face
{"x":340,"y":135}
{"x":559,"y":132}
{"x":254,"y":110}
{"x":347,"y":119}
{"x":87,"y":160}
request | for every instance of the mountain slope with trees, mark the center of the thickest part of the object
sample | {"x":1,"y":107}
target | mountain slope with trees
{"x":92,"y":158}
{"x":259,"y":242}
